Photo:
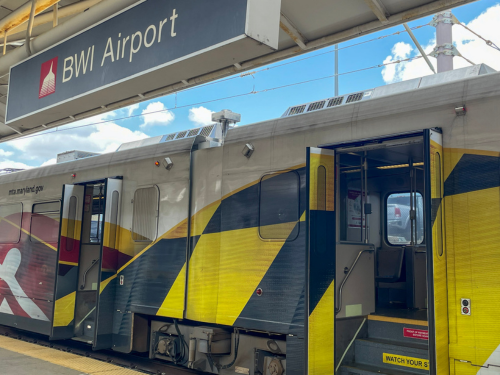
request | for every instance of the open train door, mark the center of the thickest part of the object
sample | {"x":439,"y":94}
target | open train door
{"x":320,"y":219}
{"x":63,"y":318}
{"x":436,"y":259}
{"x":108,"y":266}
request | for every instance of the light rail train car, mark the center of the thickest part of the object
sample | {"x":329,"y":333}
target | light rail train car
{"x":354,"y":235}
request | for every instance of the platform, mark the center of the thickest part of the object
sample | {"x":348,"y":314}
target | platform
{"x":23,"y":358}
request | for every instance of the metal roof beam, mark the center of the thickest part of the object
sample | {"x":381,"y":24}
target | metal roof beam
{"x":379,"y":9}
{"x":293,"y":32}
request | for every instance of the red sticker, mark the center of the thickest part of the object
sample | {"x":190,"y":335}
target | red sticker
{"x":416,"y":333}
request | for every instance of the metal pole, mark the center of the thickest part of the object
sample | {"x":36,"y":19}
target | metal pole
{"x":55,"y":15}
{"x":444,"y":40}
{"x":366,"y":217}
{"x":336,"y":70}
{"x":417,"y":44}
{"x":30,"y":27}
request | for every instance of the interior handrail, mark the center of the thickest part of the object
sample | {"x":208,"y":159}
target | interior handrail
{"x":94,"y":262}
{"x":337,"y":310}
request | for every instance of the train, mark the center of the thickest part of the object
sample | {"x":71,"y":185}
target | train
{"x":275,"y":248}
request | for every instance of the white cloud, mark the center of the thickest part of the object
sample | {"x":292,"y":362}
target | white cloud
{"x":13,"y":164}
{"x":4,"y":153}
{"x":201,"y":116}
{"x":158,"y":115}
{"x":101,"y":138}
{"x":470,"y":46}
{"x":49,"y":162}
{"x":131,"y":109}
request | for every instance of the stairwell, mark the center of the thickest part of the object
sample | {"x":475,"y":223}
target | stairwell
{"x":393,"y":347}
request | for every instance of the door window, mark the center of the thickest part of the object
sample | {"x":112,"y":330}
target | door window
{"x":398,"y":218}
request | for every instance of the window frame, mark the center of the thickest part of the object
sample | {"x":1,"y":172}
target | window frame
{"x":275,"y":173}
{"x":38,"y":214}
{"x":386,"y":237}
{"x":157,"y":189}
{"x":20,"y":224}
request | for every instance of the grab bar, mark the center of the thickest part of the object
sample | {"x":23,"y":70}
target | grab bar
{"x":94,"y":262}
{"x":337,"y":310}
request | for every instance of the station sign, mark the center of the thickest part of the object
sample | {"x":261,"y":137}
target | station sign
{"x":150,"y":45}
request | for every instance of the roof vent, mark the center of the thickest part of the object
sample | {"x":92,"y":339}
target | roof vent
{"x":181,"y":135}
{"x":354,"y":97}
{"x":335,"y":101}
{"x":315,"y":106}
{"x":297,"y":110}
{"x":207,"y":130}
{"x":74,"y":155}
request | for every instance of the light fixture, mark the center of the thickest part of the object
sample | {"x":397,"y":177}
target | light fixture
{"x":248,"y":150}
{"x":461,"y":111}
{"x":168,"y":163}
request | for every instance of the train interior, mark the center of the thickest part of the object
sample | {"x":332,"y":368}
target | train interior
{"x":89,"y":270}
{"x":381,"y":276}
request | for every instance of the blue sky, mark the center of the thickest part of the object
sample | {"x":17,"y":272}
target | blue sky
{"x":41,"y":149}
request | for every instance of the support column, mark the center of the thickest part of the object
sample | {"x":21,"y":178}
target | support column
{"x":444,"y":39}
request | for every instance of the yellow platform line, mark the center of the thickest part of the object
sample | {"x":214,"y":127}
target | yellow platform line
{"x":390,"y":319}
{"x":75,"y":362}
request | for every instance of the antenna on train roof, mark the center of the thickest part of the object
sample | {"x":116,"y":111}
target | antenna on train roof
{"x":226,"y":118}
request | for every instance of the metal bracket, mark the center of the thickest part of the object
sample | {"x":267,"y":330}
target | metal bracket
{"x":448,"y":50}
{"x":447,"y":17}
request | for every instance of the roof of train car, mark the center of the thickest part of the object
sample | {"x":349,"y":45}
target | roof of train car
{"x":450,"y":91}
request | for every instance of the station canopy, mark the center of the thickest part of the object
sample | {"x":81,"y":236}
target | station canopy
{"x":271,"y":30}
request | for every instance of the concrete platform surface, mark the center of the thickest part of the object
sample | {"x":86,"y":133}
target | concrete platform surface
{"x":23,"y":358}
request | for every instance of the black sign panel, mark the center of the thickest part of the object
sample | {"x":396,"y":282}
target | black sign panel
{"x":141,"y":39}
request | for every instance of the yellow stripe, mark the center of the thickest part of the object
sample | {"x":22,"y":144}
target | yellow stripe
{"x":173,"y":305}
{"x":105,"y":283}
{"x":390,"y":319}
{"x":64,"y":310}
{"x":69,"y":360}
{"x":321,"y":359}
{"x":68,"y":263}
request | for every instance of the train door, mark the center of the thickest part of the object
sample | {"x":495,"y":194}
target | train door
{"x":376,"y":254}
{"x":68,"y":260}
{"x":436,"y":259}
{"x":97,"y":263}
{"x":108,"y":266}
{"x":320,"y":219}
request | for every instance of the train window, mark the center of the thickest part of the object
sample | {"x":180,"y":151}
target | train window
{"x":113,"y":219}
{"x":279,"y":206}
{"x":97,"y":214}
{"x":70,"y":228}
{"x":10,"y":223}
{"x":144,"y":222}
{"x":398,"y":223}
{"x":45,"y":222}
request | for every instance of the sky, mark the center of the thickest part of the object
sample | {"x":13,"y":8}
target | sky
{"x":193,"y":108}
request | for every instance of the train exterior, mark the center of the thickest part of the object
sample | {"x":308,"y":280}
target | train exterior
{"x":282,"y":248}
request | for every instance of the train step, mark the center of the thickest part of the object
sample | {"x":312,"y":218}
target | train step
{"x":392,"y":355}
{"x":357,"y":369}
{"x":398,"y":330}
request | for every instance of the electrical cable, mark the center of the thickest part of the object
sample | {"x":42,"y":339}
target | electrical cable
{"x":236,"y":346}
{"x":488,"y":42}
{"x":253,"y":92}
{"x":246,"y":74}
